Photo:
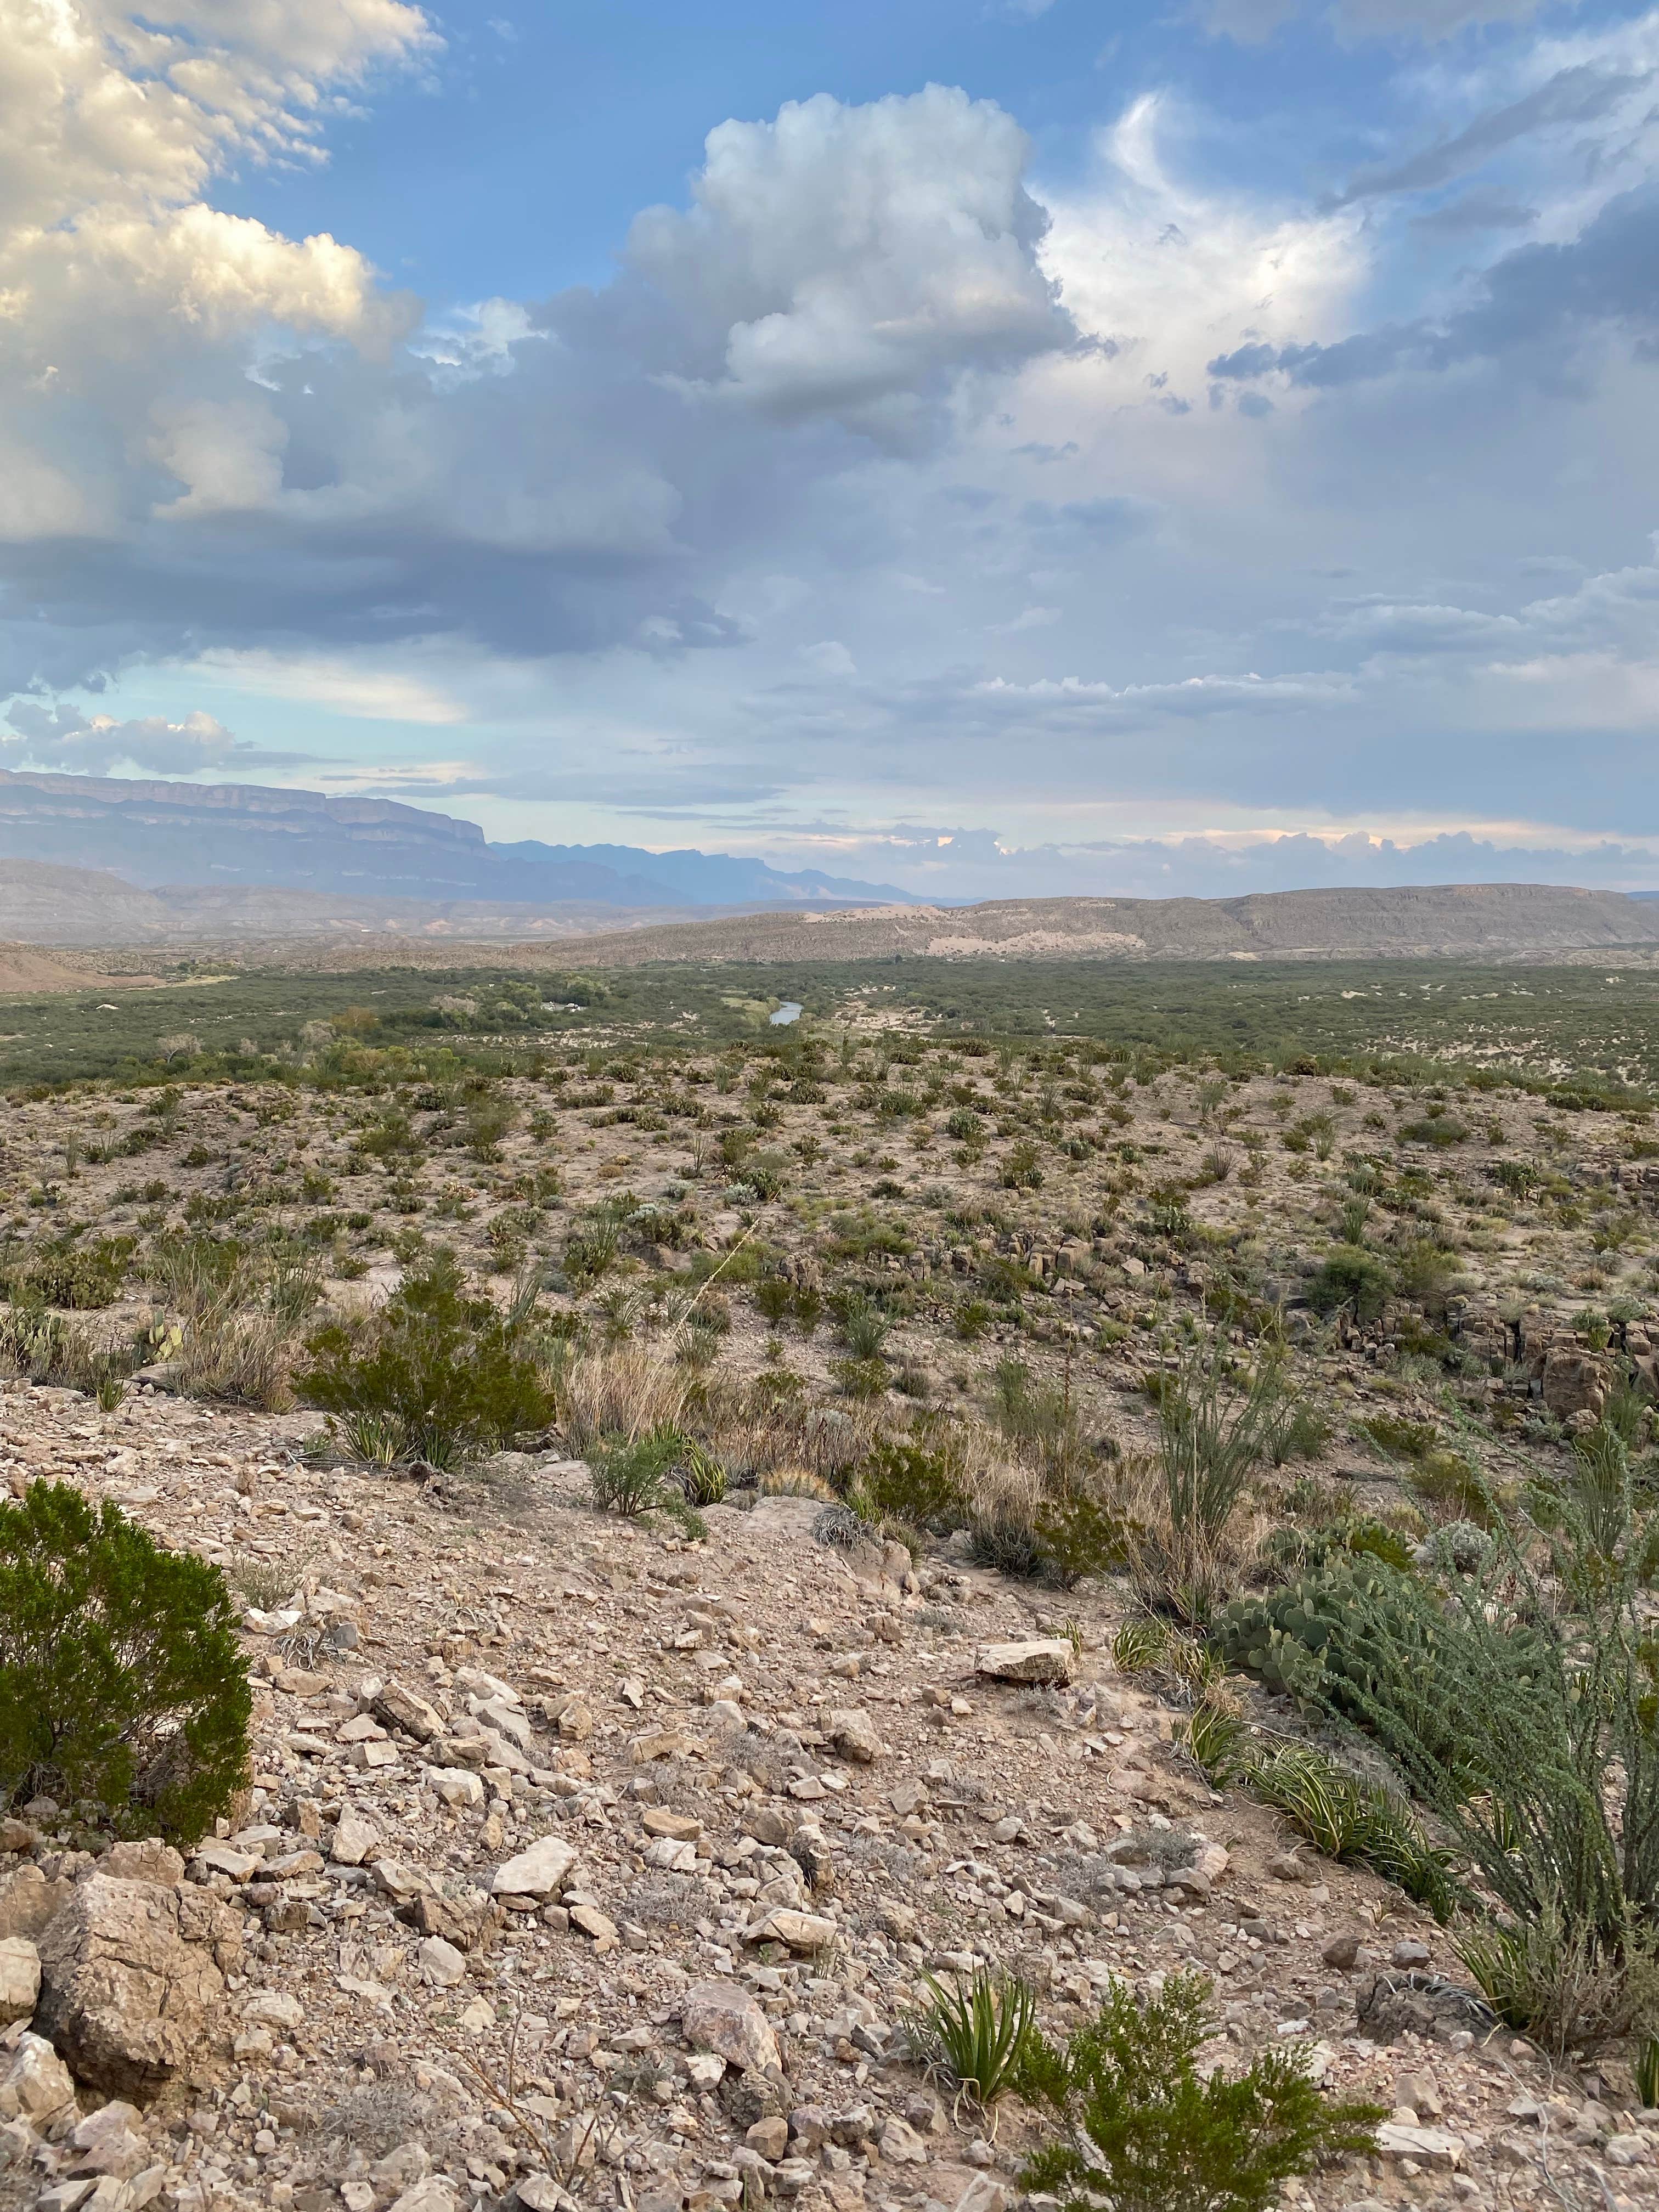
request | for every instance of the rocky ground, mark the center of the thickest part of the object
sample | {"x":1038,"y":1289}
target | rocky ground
{"x":580,"y":1862}
{"x":584,"y":1862}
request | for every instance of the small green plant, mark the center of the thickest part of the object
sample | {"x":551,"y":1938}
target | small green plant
{"x":702,"y":1476}
{"x":1352,"y":1277}
{"x":905,"y":1482}
{"x":448,"y":1373}
{"x":1645,"y":2072}
{"x":1143,"y":2129}
{"x":639,"y":1476}
{"x":863,"y":1327}
{"x":1020,"y":1169}
{"x":123,"y":1688}
{"x":1216,"y":1735}
{"x":974,"y":2036}
{"x":1349,"y":1819}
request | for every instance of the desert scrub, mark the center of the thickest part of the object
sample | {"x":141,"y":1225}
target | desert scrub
{"x":1214,"y":1434}
{"x":447,"y":1375}
{"x":1349,"y":1821}
{"x":1141,"y":2128}
{"x":903,"y":1483}
{"x":63,"y":1272}
{"x":638,"y":1477}
{"x":124,"y":1692}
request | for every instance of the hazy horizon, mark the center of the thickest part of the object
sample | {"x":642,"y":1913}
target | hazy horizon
{"x":963,"y":446}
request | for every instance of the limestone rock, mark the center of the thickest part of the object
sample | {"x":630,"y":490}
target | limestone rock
{"x":110,"y":2141}
{"x":149,"y":1860}
{"x":402,"y":1708}
{"x":1051,"y":1659}
{"x":20,"y":1979}
{"x":28,"y":1900}
{"x":36,"y":2085}
{"x":802,"y":1931}
{"x":541,"y":1872}
{"x":355,"y":1840}
{"x":130,"y":1987}
{"x":441,"y":1963}
{"x":851,"y":1732}
{"x":1428,"y":2145}
{"x":723,"y":2018}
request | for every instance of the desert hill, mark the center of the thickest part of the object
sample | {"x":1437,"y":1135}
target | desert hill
{"x":1468,"y":920}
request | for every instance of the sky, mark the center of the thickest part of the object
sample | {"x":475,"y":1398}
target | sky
{"x":995,"y":448}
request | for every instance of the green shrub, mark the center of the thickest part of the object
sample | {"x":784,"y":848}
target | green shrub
{"x":976,"y":2037}
{"x":449,"y":1373}
{"x":1518,"y":1707}
{"x":1351,"y":1277}
{"x":1143,"y":2129}
{"x":639,"y":1476}
{"x":1211,"y":1440}
{"x":702,"y":1476}
{"x":1433,"y":1129}
{"x":1216,"y":1736}
{"x":1020,"y":1169}
{"x":863,"y":1327}
{"x":82,"y":1277}
{"x":906,"y":1483}
{"x":1077,"y":1535}
{"x":123,"y":1688}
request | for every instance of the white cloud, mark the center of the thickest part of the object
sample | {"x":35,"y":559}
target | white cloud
{"x":853,"y":261}
{"x":62,"y":738}
{"x":354,"y":687}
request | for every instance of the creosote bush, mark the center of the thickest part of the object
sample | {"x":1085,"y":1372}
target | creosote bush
{"x":445,"y":1375}
{"x":124,"y":1692}
{"x":1142,"y":2129}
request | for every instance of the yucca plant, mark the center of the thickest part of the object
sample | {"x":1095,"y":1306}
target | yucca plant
{"x":974,"y":2036}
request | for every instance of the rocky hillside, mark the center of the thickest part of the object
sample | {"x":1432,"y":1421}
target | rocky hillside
{"x":1492,"y":921}
{"x":581,"y":1864}
{"x":592,"y":1860}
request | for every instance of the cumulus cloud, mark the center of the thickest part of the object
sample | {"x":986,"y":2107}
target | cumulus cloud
{"x":855,"y":261}
{"x":61,"y":738}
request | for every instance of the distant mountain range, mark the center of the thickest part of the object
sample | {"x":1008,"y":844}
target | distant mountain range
{"x":226,"y":835}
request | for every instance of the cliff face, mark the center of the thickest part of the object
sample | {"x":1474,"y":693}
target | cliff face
{"x":222,"y":834}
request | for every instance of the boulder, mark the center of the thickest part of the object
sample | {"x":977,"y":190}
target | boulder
{"x":28,"y":1900}
{"x":541,"y":1872}
{"x":400,"y":1707}
{"x":20,"y":1979}
{"x":36,"y":2085}
{"x":355,"y":1841}
{"x":798,"y":1931}
{"x":149,"y":1860}
{"x":723,"y":2018}
{"x":1052,"y":1659}
{"x":132,"y":1980}
{"x":110,"y":2141}
{"x":852,"y":1733}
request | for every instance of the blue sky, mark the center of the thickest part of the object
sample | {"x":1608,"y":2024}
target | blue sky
{"x":1001,"y":448}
